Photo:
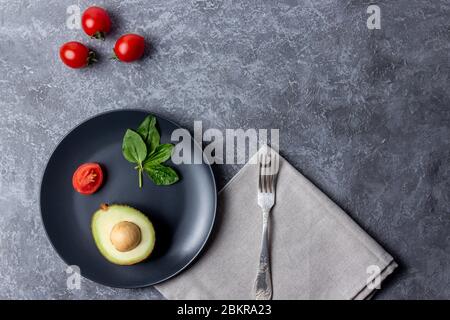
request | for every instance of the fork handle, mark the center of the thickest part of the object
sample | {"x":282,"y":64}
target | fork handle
{"x":263,"y":282}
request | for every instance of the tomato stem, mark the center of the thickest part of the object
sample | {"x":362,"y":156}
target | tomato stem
{"x":92,"y":57}
{"x":114,"y":56}
{"x":100,"y":35}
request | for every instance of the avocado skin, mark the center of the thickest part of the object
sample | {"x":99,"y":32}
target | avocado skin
{"x":107,"y":209}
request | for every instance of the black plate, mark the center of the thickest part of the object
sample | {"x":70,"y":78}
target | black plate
{"x":183,"y":214}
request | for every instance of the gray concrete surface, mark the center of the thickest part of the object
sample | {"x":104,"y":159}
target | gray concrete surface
{"x":365,"y":114}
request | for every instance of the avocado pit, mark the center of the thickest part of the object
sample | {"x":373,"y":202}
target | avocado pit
{"x":125,"y":236}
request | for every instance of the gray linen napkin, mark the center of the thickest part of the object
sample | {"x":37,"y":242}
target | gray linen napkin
{"x":317,"y":250}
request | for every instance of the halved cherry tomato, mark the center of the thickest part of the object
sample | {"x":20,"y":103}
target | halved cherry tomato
{"x":87,"y":178}
{"x":76,"y":55}
{"x":96,"y":22}
{"x":129,"y":47}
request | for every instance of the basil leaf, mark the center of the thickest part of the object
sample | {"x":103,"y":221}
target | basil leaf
{"x":133,"y":147}
{"x":149,"y":133}
{"x":162,"y":153}
{"x":161,"y":175}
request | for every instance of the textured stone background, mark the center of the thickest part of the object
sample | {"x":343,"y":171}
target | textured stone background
{"x":364,"y":114}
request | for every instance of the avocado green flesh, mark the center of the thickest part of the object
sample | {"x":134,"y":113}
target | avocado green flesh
{"x":103,"y":222}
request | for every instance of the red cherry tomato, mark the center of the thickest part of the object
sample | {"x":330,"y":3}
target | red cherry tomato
{"x":129,"y":47}
{"x":96,"y":22}
{"x":87,"y":178}
{"x":76,"y":55}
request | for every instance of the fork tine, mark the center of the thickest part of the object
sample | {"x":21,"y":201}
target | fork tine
{"x":266,"y":186}
{"x":259,"y":173}
{"x":272,"y":183}
{"x":268,"y":160}
{"x":274,"y":164}
{"x":271,"y":172}
{"x":277,"y":168}
{"x":262,"y":173}
{"x":268,"y":173}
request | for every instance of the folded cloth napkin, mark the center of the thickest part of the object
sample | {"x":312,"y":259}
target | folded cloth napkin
{"x":317,"y":250}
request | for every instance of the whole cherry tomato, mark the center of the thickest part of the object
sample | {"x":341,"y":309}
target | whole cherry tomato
{"x":76,"y":55}
{"x":129,"y":47}
{"x":96,"y":22}
{"x":87,"y":178}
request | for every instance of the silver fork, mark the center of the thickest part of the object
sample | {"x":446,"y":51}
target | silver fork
{"x":268,"y":169}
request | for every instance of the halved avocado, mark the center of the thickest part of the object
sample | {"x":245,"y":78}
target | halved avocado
{"x":123,"y":235}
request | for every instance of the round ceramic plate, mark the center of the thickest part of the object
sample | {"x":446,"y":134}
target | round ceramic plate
{"x":182,"y":214}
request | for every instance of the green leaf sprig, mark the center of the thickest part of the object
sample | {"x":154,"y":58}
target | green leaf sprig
{"x":142,"y":148}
